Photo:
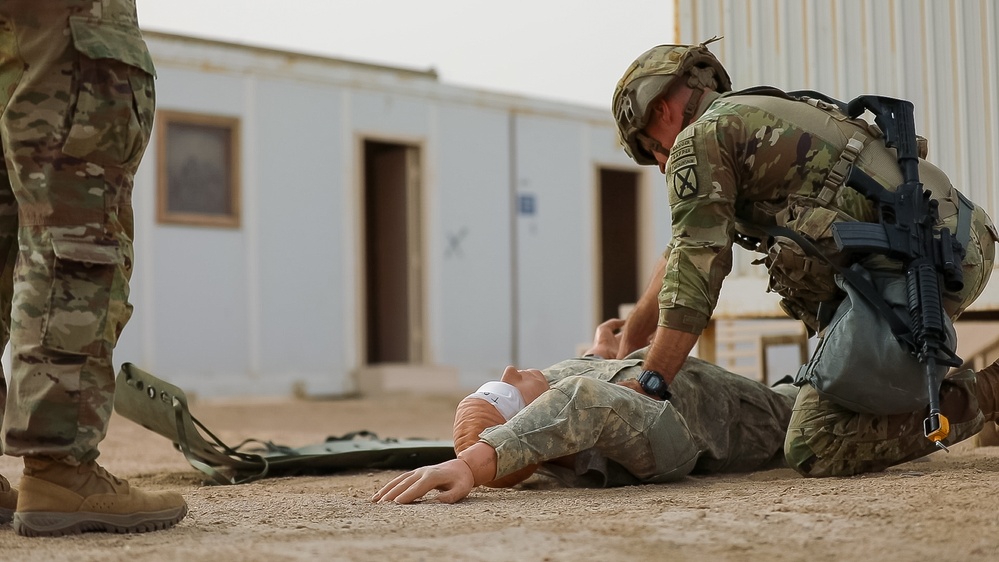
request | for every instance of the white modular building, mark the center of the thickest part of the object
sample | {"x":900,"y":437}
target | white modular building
{"x":322,"y":226}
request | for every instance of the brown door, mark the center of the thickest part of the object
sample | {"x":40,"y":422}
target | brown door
{"x":618,"y":216}
{"x":393,"y":253}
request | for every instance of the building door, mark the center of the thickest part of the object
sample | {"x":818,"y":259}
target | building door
{"x":393,"y":254}
{"x":619,"y":231}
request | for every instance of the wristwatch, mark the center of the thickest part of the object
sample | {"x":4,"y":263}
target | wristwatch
{"x":654,"y":384}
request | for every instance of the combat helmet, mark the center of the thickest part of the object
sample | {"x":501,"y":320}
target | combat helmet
{"x":650,"y":76}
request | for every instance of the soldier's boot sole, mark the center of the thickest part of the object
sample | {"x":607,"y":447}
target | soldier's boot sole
{"x":55,"y":524}
{"x":6,"y":515}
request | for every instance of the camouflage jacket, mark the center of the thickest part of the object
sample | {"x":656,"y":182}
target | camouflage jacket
{"x":754,"y":161}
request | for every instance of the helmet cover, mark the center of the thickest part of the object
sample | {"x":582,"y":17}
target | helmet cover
{"x":650,"y":77}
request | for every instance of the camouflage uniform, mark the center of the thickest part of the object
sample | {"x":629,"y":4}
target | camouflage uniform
{"x":751,"y":162}
{"x":77,"y":101}
{"x":715,"y":422}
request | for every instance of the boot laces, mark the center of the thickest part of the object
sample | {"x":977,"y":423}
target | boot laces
{"x":102,"y":472}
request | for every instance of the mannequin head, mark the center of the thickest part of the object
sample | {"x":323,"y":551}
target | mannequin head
{"x":477,"y":412}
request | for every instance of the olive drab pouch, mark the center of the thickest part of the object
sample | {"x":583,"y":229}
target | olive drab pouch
{"x":802,"y":273}
{"x":860,"y":363}
{"x":162,"y":408}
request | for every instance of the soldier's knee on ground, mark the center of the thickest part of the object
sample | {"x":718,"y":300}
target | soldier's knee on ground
{"x":799,"y":456}
{"x":804,"y":461}
{"x":815,"y":452}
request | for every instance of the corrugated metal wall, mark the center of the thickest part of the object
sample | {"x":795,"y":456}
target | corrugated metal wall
{"x":940,"y":54}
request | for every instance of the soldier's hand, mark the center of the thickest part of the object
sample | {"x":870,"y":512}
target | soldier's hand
{"x":452,"y":478}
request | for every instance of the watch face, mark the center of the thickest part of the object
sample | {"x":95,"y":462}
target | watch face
{"x":651,"y":382}
{"x":654,"y":384}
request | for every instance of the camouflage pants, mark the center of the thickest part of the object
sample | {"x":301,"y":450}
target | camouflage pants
{"x":647,"y":437}
{"x":826,"y":439}
{"x":76,"y":110}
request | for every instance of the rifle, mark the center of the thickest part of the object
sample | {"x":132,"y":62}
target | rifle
{"x":905,"y":232}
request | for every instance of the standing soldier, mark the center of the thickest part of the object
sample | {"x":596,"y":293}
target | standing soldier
{"x":76,"y":111}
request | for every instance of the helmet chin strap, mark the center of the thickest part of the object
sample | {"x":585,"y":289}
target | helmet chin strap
{"x":699,"y":80}
{"x":691,"y":109}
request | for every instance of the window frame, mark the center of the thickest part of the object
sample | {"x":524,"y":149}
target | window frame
{"x":164,"y":215}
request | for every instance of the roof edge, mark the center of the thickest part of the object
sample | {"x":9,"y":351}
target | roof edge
{"x":430,"y":73}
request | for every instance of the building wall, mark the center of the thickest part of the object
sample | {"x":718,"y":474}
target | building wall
{"x":940,"y":54}
{"x":276,"y":303}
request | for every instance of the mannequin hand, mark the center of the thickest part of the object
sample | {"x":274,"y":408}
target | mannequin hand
{"x":452,"y":478}
{"x":606,"y":339}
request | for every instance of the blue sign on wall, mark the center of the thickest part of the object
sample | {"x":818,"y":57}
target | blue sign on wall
{"x":526,"y":204}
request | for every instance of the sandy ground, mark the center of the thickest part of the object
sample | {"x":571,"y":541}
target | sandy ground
{"x":941,"y":508}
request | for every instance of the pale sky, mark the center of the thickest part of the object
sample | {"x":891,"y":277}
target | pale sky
{"x":564,"y":50}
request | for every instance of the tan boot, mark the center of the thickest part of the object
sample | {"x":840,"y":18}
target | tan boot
{"x":8,"y":501}
{"x":59,"y":499}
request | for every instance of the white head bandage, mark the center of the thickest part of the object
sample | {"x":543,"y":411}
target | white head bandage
{"x":504,"y":396}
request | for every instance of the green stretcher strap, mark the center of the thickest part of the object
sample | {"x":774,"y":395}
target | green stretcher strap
{"x":163,"y":409}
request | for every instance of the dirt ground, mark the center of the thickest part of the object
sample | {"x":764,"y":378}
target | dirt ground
{"x":941,"y":508}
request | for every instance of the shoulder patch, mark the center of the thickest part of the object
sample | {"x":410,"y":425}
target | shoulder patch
{"x":684,"y":182}
{"x":683,"y":152}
